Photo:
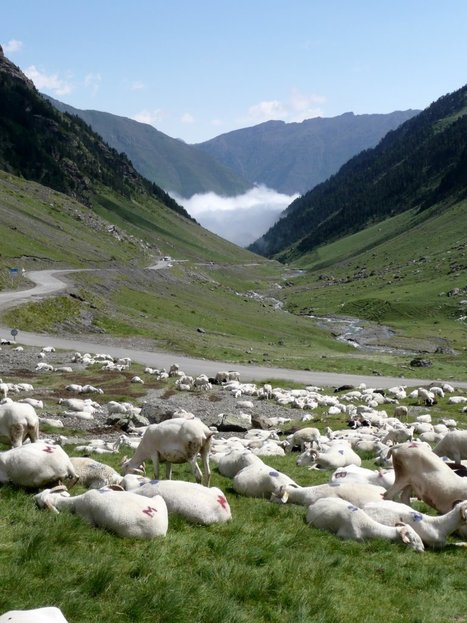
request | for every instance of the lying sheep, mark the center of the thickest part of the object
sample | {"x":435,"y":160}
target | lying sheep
{"x":335,"y":456}
{"x":231,"y":463}
{"x":121,"y":512}
{"x":354,"y":473}
{"x":194,"y":502}
{"x":36,"y":465}
{"x":93,"y":474}
{"x":353,"y":492}
{"x":37,"y":615}
{"x":259,"y":480}
{"x":349,"y":522}
{"x":18,"y":422}
{"x":433,"y":530}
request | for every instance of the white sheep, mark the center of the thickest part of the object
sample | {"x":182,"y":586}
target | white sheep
{"x":303,"y":436}
{"x":433,"y":530}
{"x":93,"y":474}
{"x":121,"y":512}
{"x":196,"y":503}
{"x":177,"y":440}
{"x":36,"y":465}
{"x":339,"y":455}
{"x":259,"y":480}
{"x":350,"y":522}
{"x":453,"y":445}
{"x":354,"y":473}
{"x":18,"y":422}
{"x":232,"y":462}
{"x":37,"y":615}
{"x":356,"y":493}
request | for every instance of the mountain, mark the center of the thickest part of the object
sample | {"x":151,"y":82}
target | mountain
{"x":421,"y":164}
{"x":63,"y":185}
{"x":170,"y":163}
{"x":295,"y":157}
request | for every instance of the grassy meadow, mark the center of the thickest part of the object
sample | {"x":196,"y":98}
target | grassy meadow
{"x":266,"y":565}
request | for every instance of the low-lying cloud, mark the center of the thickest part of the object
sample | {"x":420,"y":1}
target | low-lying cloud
{"x":241,"y":219}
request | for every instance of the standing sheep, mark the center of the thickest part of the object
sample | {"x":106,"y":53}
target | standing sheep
{"x":18,"y":422}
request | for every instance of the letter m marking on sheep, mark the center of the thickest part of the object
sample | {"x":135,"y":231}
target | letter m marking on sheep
{"x":149,"y":511}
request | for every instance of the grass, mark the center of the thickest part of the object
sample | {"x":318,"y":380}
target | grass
{"x":266,"y":565}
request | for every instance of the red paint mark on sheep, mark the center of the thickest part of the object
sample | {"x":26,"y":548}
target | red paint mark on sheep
{"x":48,"y":449}
{"x":222,"y":501}
{"x":149,"y":511}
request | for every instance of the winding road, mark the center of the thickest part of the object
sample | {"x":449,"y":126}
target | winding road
{"x":48,"y":283}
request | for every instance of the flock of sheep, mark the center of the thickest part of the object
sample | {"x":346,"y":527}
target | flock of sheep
{"x":421,"y":460}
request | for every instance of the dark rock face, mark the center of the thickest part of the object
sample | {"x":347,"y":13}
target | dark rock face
{"x":421,"y":363}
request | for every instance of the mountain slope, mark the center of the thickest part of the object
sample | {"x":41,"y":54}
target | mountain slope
{"x":106,"y":204}
{"x":170,"y":163}
{"x":418,"y":165}
{"x":295,"y":157}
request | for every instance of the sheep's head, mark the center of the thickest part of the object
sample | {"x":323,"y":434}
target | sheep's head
{"x":46,"y":498}
{"x":128,"y":469}
{"x":409,"y":537}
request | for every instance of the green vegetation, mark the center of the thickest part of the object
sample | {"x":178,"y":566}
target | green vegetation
{"x":266,"y":565}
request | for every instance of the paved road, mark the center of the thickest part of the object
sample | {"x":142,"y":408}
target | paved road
{"x":48,"y":282}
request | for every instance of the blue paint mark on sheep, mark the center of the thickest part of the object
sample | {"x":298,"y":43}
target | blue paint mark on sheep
{"x":416,"y":516}
{"x":274,"y":474}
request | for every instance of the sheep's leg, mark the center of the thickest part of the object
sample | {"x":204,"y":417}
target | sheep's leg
{"x":155,"y":462}
{"x":395,"y":489}
{"x":206,"y":478}
{"x":405,"y":495}
{"x":168,"y":471}
{"x":16,"y":435}
{"x":196,"y":470}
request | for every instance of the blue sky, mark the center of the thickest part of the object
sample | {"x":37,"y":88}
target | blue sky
{"x":198,"y":68}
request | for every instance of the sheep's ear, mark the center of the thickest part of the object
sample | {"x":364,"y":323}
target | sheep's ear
{"x":404,"y":532}
{"x":116,"y":487}
{"x":284,"y":497}
{"x":51,"y":507}
{"x":58,"y":488}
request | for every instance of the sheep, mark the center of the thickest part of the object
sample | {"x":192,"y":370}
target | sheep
{"x":398,"y":435}
{"x":259,"y":480}
{"x":453,"y":445}
{"x":419,"y":470}
{"x":353,"y":473}
{"x":174,"y":441}
{"x":350,"y":522}
{"x":231,"y":463}
{"x":302,"y":436}
{"x":335,"y":456}
{"x":196,"y":503}
{"x":36,"y":465}
{"x":356,"y":493}
{"x":37,"y":404}
{"x":94,"y":475}
{"x":121,"y":512}
{"x":18,"y":422}
{"x":37,"y":615}
{"x":433,"y":530}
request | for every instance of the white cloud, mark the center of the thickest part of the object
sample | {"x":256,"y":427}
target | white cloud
{"x":241,"y":219}
{"x":149,"y":116}
{"x":137,"y":85}
{"x":187,"y":118}
{"x":298,"y":107}
{"x":48,"y":82}
{"x":12,"y":46}
{"x":92,"y":82}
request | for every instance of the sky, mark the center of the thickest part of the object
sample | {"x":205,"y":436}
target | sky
{"x":195,"y":69}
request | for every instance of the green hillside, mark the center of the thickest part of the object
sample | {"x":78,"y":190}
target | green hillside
{"x":421,"y":164}
{"x":170,"y":163}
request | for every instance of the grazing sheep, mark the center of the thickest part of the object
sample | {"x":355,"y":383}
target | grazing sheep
{"x":93,"y":474}
{"x":174,"y":441}
{"x":353,"y":492}
{"x":38,"y":615}
{"x":453,"y":445}
{"x":432,"y":530}
{"x":303,"y":436}
{"x":122,"y":512}
{"x":18,"y":422}
{"x":196,"y":503}
{"x":421,"y":472}
{"x":36,"y":465}
{"x":259,"y":480}
{"x":350,"y":522}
